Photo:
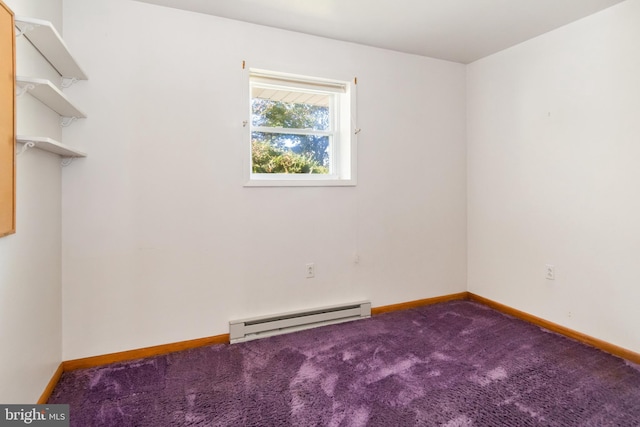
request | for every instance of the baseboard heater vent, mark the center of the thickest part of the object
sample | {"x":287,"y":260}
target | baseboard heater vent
{"x":259,"y":327}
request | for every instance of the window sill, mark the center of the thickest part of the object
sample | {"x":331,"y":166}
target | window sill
{"x":301,"y":183}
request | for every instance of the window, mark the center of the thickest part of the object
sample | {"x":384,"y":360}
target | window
{"x":300,"y":131}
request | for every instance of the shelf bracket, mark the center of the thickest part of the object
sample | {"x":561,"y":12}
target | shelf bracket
{"x":67,"y":82}
{"x":24,"y":29}
{"x":21,"y":90}
{"x":25,"y":147}
{"x":66,"y":161}
{"x":66,"y":121}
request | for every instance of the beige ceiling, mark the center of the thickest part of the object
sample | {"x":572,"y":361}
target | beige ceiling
{"x":455,"y":30}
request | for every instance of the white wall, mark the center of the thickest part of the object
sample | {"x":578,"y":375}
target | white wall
{"x":553,"y":155}
{"x":30,"y":260}
{"x":161,"y":241}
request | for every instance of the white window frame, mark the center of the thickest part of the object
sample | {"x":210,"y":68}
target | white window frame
{"x":343,"y":135}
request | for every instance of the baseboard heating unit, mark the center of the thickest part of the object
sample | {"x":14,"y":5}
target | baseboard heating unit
{"x":264,"y":326}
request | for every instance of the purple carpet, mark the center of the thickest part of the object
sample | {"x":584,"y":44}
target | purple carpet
{"x":452,"y":364}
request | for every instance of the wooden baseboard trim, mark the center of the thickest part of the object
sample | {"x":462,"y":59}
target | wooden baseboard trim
{"x":157,"y":350}
{"x":46,"y":394}
{"x":554,"y":327}
{"x":418,"y":303}
{"x":123,"y":356}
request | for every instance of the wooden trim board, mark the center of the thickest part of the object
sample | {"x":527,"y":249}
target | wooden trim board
{"x":140,"y":353}
{"x":123,"y":356}
{"x":418,"y":303}
{"x":7,"y":122}
{"x":554,"y":327}
{"x":46,"y":394}
{"x":90,"y":362}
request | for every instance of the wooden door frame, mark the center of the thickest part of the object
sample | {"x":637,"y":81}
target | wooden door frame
{"x":7,"y":136}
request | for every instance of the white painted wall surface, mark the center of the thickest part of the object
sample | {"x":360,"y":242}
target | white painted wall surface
{"x":553,"y":175}
{"x":161,"y":241}
{"x":30,"y":260}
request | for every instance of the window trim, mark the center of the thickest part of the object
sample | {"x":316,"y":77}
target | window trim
{"x":343,"y":147}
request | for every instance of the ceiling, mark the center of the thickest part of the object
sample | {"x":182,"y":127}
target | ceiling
{"x":455,"y":30}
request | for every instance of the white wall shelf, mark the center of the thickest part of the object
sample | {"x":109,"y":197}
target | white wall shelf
{"x":46,"y":39}
{"x":43,"y":35}
{"x":50,"y":95}
{"x":50,"y":145}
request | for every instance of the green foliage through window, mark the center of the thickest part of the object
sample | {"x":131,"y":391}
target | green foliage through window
{"x":267,"y":158}
{"x":278,"y":148}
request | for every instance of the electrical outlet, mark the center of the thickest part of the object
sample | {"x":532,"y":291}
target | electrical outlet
{"x":311,"y":270}
{"x":550,"y":272}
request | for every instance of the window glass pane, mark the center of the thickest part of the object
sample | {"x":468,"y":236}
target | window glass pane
{"x":289,"y":153}
{"x":299,"y":130}
{"x":290,"y":110}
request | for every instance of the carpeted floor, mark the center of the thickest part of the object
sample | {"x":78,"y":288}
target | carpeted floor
{"x":454,"y":364}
